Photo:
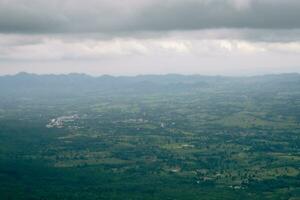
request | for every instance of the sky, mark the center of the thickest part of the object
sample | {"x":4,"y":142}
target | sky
{"x":131,"y":37}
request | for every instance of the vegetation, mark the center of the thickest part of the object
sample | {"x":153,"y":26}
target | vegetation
{"x":149,"y":137}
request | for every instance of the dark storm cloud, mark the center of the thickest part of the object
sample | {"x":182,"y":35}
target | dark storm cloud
{"x":128,"y":16}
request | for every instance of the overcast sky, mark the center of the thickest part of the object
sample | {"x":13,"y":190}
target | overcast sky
{"x":129,"y":37}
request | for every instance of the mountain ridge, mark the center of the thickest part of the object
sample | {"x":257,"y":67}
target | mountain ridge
{"x":26,"y":84}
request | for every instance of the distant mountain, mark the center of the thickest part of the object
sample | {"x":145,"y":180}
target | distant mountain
{"x":25,"y":84}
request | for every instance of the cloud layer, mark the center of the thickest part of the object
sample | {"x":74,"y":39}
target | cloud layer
{"x":150,"y":36}
{"x":45,"y":48}
{"x":115,"y":17}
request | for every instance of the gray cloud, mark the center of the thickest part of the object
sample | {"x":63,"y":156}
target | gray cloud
{"x":128,"y":16}
{"x":192,"y":15}
{"x":150,"y":36}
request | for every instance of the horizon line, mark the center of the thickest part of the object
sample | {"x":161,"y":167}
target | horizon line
{"x":150,"y":74}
